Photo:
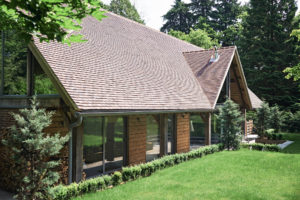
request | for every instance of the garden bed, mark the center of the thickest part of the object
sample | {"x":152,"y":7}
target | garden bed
{"x":268,"y":141}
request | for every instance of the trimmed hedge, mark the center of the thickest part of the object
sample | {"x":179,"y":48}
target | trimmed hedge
{"x":62,"y":192}
{"x":262,"y":147}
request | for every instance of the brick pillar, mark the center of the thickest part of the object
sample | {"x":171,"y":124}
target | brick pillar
{"x":137,"y":132}
{"x":182,"y":132}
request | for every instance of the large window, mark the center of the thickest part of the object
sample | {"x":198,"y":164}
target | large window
{"x":153,"y":137}
{"x":14,"y":55}
{"x":104,"y":144}
{"x":215,"y":129}
{"x":197,"y":134}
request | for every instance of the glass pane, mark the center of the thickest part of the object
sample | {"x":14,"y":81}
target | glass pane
{"x":171,"y":130}
{"x":197,"y":134}
{"x":15,"y":59}
{"x":114,"y":145}
{"x":42,"y":84}
{"x":92,"y":146}
{"x":153,"y":138}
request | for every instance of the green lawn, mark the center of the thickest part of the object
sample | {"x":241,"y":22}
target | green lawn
{"x":237,"y":175}
{"x":295,"y":147}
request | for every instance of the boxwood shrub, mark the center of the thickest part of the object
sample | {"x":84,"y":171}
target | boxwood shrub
{"x":61,"y":192}
{"x":262,"y":147}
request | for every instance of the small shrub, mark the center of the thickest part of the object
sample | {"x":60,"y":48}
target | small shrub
{"x":262,"y":147}
{"x":107,"y":180}
{"x":116,"y":178}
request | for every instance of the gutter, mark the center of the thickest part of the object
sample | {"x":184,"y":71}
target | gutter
{"x":75,"y":124}
{"x":96,"y":113}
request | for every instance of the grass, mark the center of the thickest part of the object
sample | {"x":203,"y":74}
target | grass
{"x":295,"y":147}
{"x":237,"y":175}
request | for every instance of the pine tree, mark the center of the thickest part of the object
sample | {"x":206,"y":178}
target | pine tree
{"x":276,"y":118}
{"x":225,"y":16}
{"x":230,"y":121}
{"x":32,"y":149}
{"x":125,"y":9}
{"x":266,"y":49}
{"x":263,"y":118}
{"x":202,"y":9}
{"x":179,"y":18}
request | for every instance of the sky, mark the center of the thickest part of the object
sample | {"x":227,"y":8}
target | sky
{"x":153,"y":10}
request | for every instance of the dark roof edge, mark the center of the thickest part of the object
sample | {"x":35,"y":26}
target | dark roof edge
{"x":94,"y":113}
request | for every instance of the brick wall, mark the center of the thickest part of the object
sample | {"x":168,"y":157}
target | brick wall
{"x":137,"y":131}
{"x":183,"y":133}
{"x":7,"y":172}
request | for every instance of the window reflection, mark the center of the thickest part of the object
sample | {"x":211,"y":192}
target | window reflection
{"x":153,"y":137}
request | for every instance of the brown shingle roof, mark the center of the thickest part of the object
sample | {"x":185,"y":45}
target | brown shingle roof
{"x":255,"y":101}
{"x":125,"y":66}
{"x":211,"y":75}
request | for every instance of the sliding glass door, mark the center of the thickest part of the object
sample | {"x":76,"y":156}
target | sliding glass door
{"x":104,"y":144}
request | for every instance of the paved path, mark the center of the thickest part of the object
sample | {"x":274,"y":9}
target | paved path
{"x":5,"y":195}
{"x":284,"y":145}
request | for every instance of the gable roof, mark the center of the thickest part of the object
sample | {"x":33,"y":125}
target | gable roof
{"x":255,"y":101}
{"x":123,"y":66}
{"x":212,"y":75}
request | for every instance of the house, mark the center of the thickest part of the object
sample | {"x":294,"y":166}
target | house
{"x":127,"y":95}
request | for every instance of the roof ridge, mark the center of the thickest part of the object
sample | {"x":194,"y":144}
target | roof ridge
{"x":227,"y":47}
{"x":150,"y":28}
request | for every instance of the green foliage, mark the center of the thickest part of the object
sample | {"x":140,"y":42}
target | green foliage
{"x":31,"y":149}
{"x":276,"y":119}
{"x":125,"y":9}
{"x":263,"y":117}
{"x":266,"y":49}
{"x":48,"y":19}
{"x":116,"y":178}
{"x":262,"y":147}
{"x":197,"y":37}
{"x":129,"y":173}
{"x":231,"y":120}
{"x":294,"y":72}
{"x":179,"y":18}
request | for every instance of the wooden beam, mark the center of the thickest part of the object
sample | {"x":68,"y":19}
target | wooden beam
{"x":208,"y":129}
{"x":77,"y":154}
{"x":30,"y":61}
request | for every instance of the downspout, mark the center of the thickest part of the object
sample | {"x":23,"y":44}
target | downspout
{"x":75,"y":124}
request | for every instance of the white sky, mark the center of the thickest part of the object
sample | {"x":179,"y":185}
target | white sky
{"x":153,"y":10}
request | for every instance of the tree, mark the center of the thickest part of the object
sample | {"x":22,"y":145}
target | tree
{"x":225,"y":18}
{"x":263,"y":116}
{"x":202,"y":9}
{"x":294,"y":72}
{"x":48,"y":20}
{"x":31,"y":149}
{"x":197,"y":37}
{"x":231,"y":120}
{"x":125,"y":9}
{"x":276,"y":118}
{"x":179,"y":18}
{"x":266,"y":49}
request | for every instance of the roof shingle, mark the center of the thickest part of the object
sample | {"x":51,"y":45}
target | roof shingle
{"x":125,"y":66}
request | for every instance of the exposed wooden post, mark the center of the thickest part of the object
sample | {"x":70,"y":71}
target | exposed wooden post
{"x":3,"y":63}
{"x":208,"y":129}
{"x":244,"y":111}
{"x":30,"y":66}
{"x":163,"y":129}
{"x":77,"y":153}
